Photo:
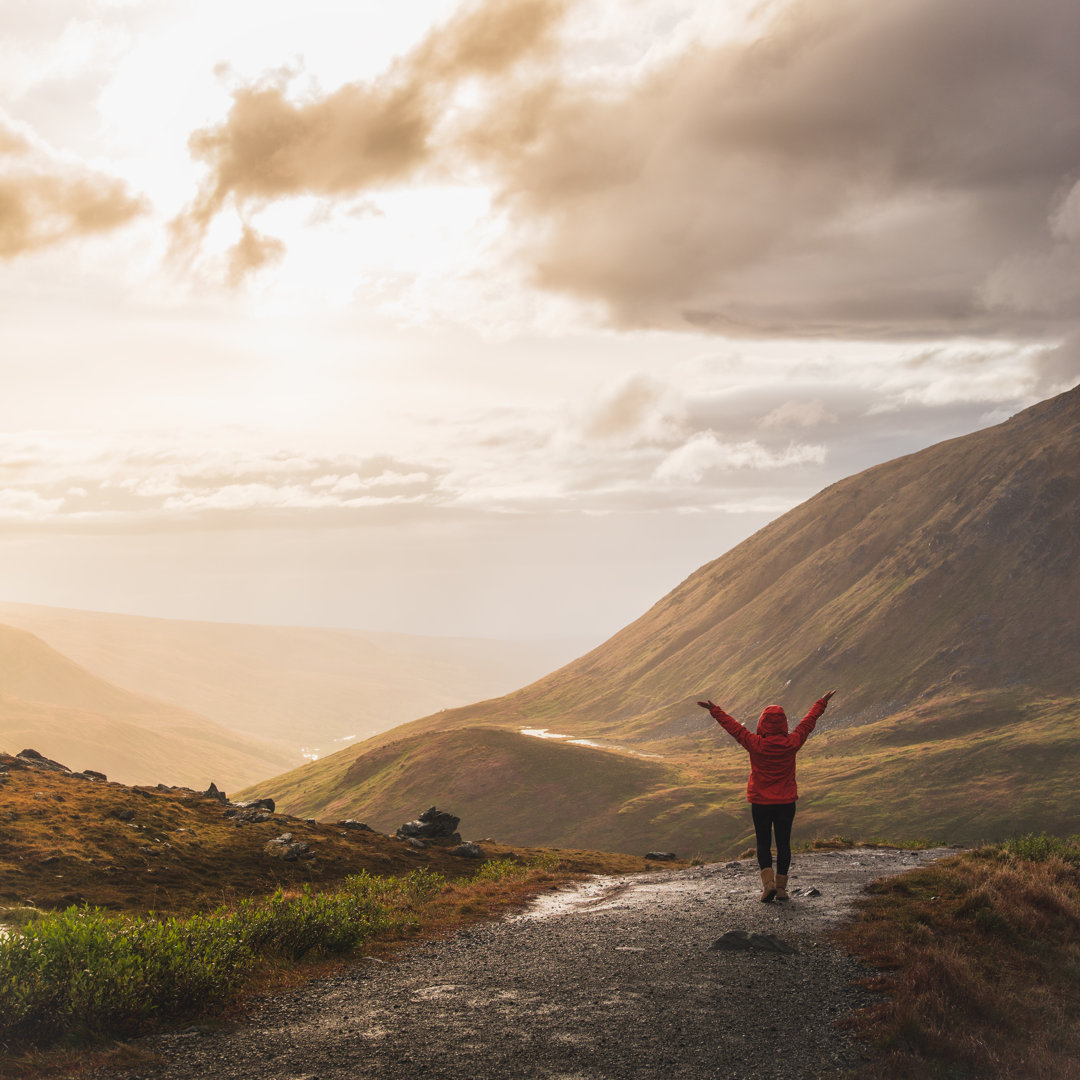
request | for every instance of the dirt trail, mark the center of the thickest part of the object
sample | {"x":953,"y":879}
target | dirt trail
{"x":609,"y":980}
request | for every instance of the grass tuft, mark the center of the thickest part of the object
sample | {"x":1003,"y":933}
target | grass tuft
{"x":979,"y":954}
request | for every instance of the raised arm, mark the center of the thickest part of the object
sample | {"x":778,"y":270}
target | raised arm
{"x":728,"y":723}
{"x":809,"y":721}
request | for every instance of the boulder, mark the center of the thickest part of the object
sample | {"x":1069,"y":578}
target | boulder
{"x":432,"y":824}
{"x":660,"y":856}
{"x":468,"y":850}
{"x":258,"y":804}
{"x":212,"y":793}
{"x":288,"y":848}
{"x":349,"y":823}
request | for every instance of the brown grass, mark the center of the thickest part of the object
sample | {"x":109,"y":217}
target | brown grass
{"x":980,"y":961}
{"x":64,"y":840}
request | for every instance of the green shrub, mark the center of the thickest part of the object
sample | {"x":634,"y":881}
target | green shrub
{"x":501,"y":870}
{"x":1038,"y":847}
{"x":81,"y":973}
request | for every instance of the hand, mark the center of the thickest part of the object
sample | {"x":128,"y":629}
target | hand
{"x":706,"y":704}
{"x":826,"y":697}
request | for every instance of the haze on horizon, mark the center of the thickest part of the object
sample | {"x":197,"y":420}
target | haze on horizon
{"x":500,"y":318}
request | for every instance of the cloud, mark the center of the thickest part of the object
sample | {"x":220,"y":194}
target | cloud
{"x":1058,"y":368}
{"x":705,"y":452}
{"x":251,"y":253}
{"x":363,"y":135}
{"x":637,"y":409}
{"x":905,"y":168}
{"x":92,"y":483}
{"x":860,"y":169}
{"x":45,"y":201}
{"x":806,"y":414}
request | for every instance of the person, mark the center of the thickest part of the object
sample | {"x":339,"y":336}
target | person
{"x":771,"y":790}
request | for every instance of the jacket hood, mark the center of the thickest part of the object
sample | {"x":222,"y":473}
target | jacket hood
{"x":773,"y":721}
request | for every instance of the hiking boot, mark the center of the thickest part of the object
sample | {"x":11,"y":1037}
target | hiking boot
{"x":781,"y":887}
{"x":768,"y":886}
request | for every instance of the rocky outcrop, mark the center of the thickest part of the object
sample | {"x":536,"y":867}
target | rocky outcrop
{"x":40,"y":761}
{"x":432,"y":824}
{"x":242,"y":816}
{"x":212,"y":793}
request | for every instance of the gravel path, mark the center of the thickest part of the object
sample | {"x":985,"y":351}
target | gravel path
{"x":612,"y":979}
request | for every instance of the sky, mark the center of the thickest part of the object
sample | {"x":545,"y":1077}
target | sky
{"x":500,"y":318}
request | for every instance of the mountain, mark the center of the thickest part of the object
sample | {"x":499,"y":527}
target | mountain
{"x":50,"y":704}
{"x":308,"y":688}
{"x":938,"y":591}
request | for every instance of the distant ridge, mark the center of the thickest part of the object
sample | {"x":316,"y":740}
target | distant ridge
{"x":940,"y":591}
{"x":304,"y":687}
{"x":49,"y":702}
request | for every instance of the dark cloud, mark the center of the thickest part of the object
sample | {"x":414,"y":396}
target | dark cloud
{"x":44,"y":202}
{"x":905,"y":167}
{"x":859,"y":169}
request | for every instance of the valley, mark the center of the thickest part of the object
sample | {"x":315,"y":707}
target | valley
{"x":938,"y":591}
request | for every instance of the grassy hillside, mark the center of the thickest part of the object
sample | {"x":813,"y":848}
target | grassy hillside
{"x":304,"y":687}
{"x":68,"y":839}
{"x":938,"y":591}
{"x":516,"y":788}
{"x":54,"y":706}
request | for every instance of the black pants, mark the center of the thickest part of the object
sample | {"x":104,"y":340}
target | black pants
{"x":767,"y":817}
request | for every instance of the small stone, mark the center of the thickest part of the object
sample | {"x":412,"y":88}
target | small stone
{"x":732,"y":941}
{"x":468,"y":850}
{"x":744,"y":941}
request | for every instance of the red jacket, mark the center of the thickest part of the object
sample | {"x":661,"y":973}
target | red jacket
{"x":772,"y":750}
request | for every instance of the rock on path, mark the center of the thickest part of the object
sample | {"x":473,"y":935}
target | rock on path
{"x":609,"y":980}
